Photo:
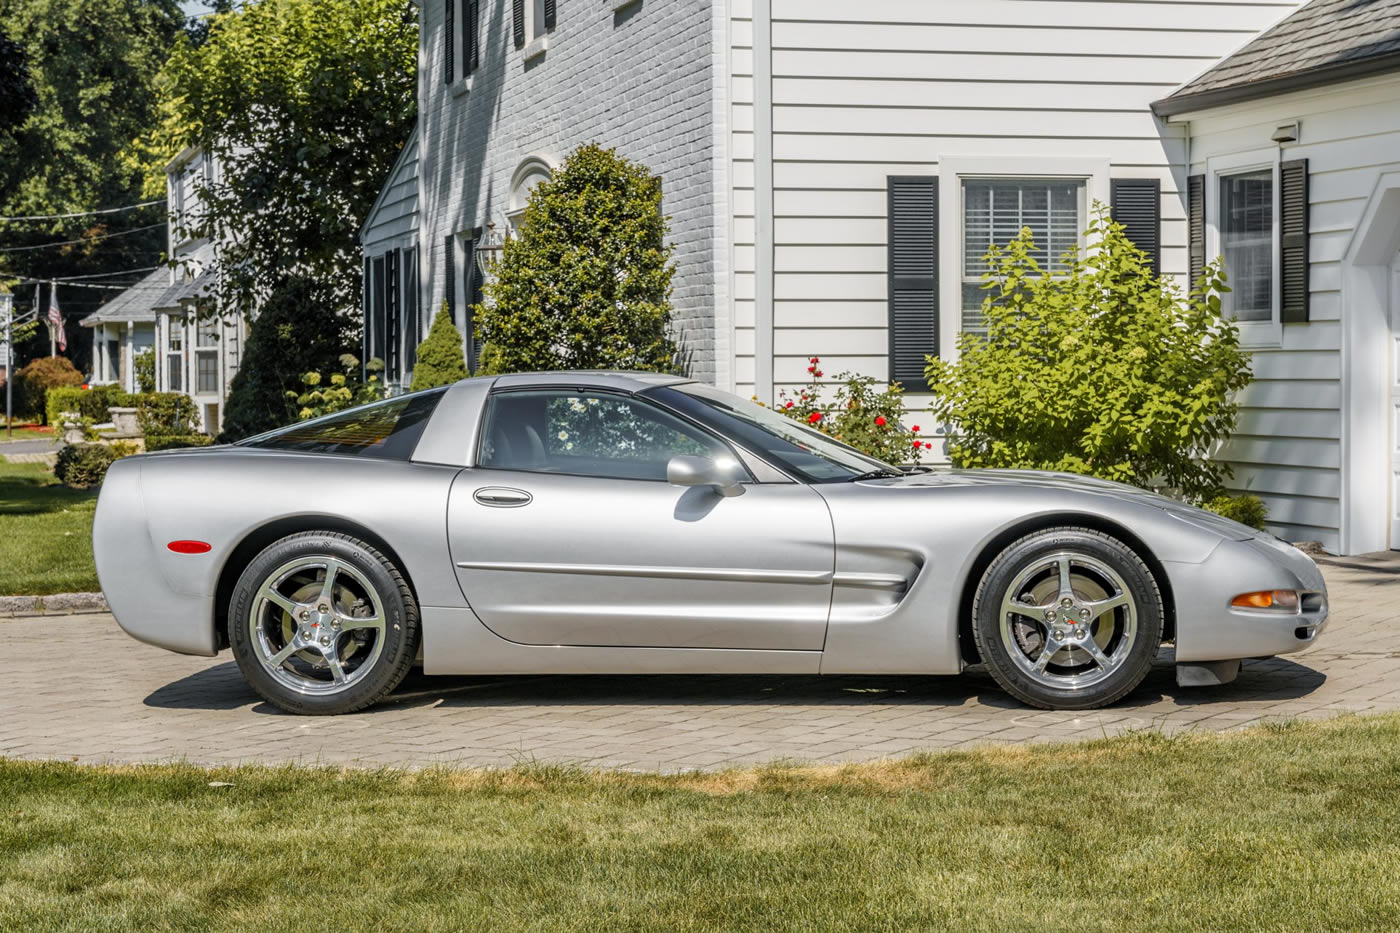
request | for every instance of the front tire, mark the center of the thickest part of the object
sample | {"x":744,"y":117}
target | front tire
{"x":322,"y":623}
{"x":1068,"y":618}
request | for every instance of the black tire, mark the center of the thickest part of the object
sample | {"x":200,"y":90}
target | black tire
{"x":368,"y":662}
{"x":1127,"y":635}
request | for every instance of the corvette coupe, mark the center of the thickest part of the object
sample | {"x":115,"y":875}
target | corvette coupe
{"x":595,"y":522}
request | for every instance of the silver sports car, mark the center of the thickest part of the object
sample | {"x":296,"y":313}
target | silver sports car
{"x":593,"y":522}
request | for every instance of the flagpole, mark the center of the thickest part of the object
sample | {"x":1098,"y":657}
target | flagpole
{"x":9,"y":317}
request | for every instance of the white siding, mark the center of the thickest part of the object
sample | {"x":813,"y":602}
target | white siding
{"x":394,"y":220}
{"x":861,"y":91}
{"x":1288,"y":450}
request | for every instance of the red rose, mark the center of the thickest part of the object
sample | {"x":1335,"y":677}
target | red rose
{"x":880,"y":420}
{"x":818,"y":374}
{"x":788,"y":405}
{"x":915,"y":429}
{"x":815,"y":417}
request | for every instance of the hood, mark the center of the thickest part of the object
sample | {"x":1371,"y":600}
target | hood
{"x":1073,"y":482}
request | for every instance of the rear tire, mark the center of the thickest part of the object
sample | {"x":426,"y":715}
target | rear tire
{"x":1068,"y":618}
{"x":322,"y":623}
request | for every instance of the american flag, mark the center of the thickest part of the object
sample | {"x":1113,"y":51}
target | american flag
{"x":56,"y":319}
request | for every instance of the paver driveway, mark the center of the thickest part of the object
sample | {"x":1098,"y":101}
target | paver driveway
{"x":77,"y":687}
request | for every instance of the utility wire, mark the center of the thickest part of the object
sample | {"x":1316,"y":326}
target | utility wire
{"x":30,"y":279}
{"x":90,"y":239}
{"x":110,"y":210}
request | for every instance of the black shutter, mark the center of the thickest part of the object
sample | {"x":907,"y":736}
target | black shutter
{"x":413,"y":321}
{"x":551,"y":13}
{"x":913,"y":277}
{"x":517,"y":24}
{"x":1196,"y":226}
{"x":449,"y":52}
{"x":475,"y":281}
{"x":1293,"y":227}
{"x":392,"y":311}
{"x":1137,"y":205}
{"x":368,"y":309}
{"x":473,"y":36}
{"x":376,"y":330}
{"x":449,"y":279}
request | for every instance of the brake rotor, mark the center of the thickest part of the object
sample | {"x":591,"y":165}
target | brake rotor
{"x":1030,"y":636}
{"x":340,"y":600}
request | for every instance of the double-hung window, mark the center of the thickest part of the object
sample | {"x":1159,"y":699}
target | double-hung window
{"x":531,"y":23}
{"x":206,"y":356}
{"x":461,"y":47}
{"x":1246,"y":230}
{"x":995,"y":210}
{"x":174,"y":354}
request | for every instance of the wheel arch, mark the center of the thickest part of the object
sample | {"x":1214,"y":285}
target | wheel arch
{"x":259,"y":538}
{"x":998,"y":543}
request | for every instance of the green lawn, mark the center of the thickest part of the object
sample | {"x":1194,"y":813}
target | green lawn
{"x":45,"y":533}
{"x":1291,"y":827}
{"x":25,"y":432}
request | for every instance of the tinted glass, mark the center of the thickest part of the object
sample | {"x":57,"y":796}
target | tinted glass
{"x":807,"y":454}
{"x":586,"y":433}
{"x":385,"y":430}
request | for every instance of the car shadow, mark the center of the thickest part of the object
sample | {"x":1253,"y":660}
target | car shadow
{"x":222,"y":687}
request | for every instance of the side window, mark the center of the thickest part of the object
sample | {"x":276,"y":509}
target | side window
{"x":585,"y":433}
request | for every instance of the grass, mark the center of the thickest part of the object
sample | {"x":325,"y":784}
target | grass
{"x":24,"y":432}
{"x":1289,"y":827}
{"x":45,"y":534}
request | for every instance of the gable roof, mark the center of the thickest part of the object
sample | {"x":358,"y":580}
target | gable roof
{"x":137,"y":303}
{"x":1323,"y":42}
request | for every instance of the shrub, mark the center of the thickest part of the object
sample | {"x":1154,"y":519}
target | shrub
{"x":342,"y":390}
{"x":440,"y":358}
{"x":86,"y":403}
{"x":298,"y":329}
{"x":156,"y":442}
{"x":1106,"y":370}
{"x":145,"y":365}
{"x":83,"y":465}
{"x":1245,"y":509}
{"x":587,"y":282}
{"x":164,"y":413}
{"x":862,"y":416}
{"x":35,"y":379}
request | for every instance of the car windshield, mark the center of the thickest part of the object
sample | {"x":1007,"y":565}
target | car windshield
{"x":804,"y":452}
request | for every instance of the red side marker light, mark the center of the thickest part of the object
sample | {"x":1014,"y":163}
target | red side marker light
{"x":190,"y":547}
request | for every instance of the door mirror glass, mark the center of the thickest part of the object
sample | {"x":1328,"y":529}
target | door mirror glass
{"x":726,"y":474}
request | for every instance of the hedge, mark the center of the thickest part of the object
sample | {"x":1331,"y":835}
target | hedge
{"x":86,"y":403}
{"x":165,"y":413}
{"x":175,"y":441}
{"x":83,"y":465}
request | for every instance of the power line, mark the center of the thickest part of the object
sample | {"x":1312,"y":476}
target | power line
{"x":110,"y":210}
{"x":74,"y":278}
{"x":90,"y":239}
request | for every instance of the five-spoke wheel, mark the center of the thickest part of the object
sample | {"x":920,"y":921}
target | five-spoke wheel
{"x":1068,"y":618}
{"x":322,"y":623}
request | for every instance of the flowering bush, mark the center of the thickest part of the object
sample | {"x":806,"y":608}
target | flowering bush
{"x":861,"y":415}
{"x":341,"y":391}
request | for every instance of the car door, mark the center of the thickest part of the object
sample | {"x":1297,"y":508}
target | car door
{"x":567,"y":533}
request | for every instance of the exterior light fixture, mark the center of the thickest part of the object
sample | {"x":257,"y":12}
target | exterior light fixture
{"x":488,"y":249}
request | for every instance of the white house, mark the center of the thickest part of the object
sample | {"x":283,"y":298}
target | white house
{"x":834,"y":173}
{"x":196,"y":354}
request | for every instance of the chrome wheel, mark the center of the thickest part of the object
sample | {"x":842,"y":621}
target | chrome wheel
{"x":1068,"y":620}
{"x":317,"y":625}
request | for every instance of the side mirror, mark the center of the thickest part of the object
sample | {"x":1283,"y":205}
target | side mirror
{"x":726,"y":475}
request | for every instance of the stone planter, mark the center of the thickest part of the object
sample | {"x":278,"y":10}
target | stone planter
{"x":124,"y":420}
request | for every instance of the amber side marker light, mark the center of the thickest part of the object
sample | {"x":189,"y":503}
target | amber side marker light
{"x":190,"y":547}
{"x":1283,"y":600}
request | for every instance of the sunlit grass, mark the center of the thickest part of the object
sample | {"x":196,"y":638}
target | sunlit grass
{"x":1292,"y":827}
{"x":45,"y":533}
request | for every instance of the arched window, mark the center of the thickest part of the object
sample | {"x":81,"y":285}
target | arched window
{"x":531,"y":172}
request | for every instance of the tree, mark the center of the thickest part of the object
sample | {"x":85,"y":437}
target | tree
{"x":587,"y":282}
{"x":440,"y":358}
{"x":305,"y":103}
{"x":37,"y":377}
{"x":296,"y":331}
{"x":91,"y":65}
{"x":1107,"y":370}
{"x":17,"y":97}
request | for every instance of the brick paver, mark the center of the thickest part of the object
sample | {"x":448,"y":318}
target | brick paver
{"x":76,"y":687}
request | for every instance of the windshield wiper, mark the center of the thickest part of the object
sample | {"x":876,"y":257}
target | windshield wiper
{"x":875,"y":474}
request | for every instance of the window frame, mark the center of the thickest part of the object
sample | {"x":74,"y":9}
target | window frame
{"x":1252,"y":333}
{"x":536,"y":34}
{"x":484,"y":433}
{"x":1081,"y":213}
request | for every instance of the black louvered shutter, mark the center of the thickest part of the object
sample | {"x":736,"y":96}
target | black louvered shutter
{"x":1196,"y":226}
{"x":473,"y":36}
{"x":1293,"y":248}
{"x":551,"y":13}
{"x":376,"y":330}
{"x":449,"y":295}
{"x":517,"y":22}
{"x":1137,"y":205}
{"x":412,"y":316}
{"x":449,"y":52}
{"x":393,"y":310}
{"x":913,"y":277}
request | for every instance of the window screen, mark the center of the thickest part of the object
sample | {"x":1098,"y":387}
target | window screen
{"x":995,"y":210}
{"x":1247,"y":243}
{"x":385,"y":430}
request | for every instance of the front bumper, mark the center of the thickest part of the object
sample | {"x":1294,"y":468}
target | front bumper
{"x":1208,"y":628}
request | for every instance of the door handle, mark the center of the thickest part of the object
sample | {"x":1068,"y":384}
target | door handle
{"x":502,"y":497}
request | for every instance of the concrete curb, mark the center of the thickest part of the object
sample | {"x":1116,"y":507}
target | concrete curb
{"x":55,"y":604}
